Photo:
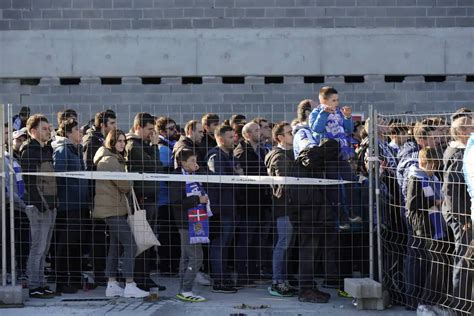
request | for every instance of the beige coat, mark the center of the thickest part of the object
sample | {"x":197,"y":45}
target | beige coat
{"x":110,"y":195}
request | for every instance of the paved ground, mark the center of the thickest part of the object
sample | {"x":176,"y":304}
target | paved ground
{"x":94,"y":303}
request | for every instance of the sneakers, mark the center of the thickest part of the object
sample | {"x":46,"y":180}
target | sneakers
{"x":280,"y":289}
{"x":47,"y":290}
{"x":355,"y":219}
{"x":221,"y":287}
{"x":313,"y":296}
{"x":425,"y":310}
{"x":202,"y":279}
{"x":113,"y":289}
{"x":39,"y":292}
{"x":131,"y":290}
{"x":190,"y":297}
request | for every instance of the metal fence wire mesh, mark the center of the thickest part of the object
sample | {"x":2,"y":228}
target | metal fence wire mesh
{"x":261,"y":203}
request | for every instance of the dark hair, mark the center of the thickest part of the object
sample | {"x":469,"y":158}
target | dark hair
{"x":142,"y":119}
{"x":162,"y":121}
{"x":103,"y":118}
{"x":238,"y":129}
{"x":279,"y":129}
{"x":111,"y":139}
{"x":398,"y":129}
{"x":190,"y":125}
{"x":222,"y":129}
{"x":184,"y":155}
{"x":66,"y":114}
{"x":209,"y":118}
{"x":34,"y":121}
{"x":66,"y":127}
{"x":303,"y":106}
{"x":24,"y":111}
{"x":260,"y":120}
{"x":237,"y":119}
{"x":326,"y":92}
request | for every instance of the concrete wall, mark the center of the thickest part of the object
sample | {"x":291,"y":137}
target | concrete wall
{"x":308,"y":43}
{"x":179,"y":14}
{"x":274,"y":101}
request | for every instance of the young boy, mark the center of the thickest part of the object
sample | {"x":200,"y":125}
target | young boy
{"x":191,"y":211}
{"x":423,"y":201}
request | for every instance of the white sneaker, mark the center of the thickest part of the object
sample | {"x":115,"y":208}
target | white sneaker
{"x":202,"y":279}
{"x":424,"y":310}
{"x":131,"y":290}
{"x":113,"y":289}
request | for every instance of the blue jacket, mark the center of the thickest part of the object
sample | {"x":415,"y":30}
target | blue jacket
{"x":302,"y":138}
{"x":165,"y":147}
{"x":334,"y":126}
{"x":407,"y":157}
{"x":221,"y":195}
{"x":73,"y":194}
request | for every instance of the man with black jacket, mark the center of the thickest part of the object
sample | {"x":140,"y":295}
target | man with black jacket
{"x":95,"y":136}
{"x":192,"y":140}
{"x":103,"y":122}
{"x":209,"y":123}
{"x":253,"y":212}
{"x":220,"y":161}
{"x":142,"y":155}
{"x":41,"y":193}
{"x":280,"y":162}
{"x":456,"y":207}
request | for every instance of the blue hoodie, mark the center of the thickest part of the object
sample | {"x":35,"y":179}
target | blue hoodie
{"x":334,"y":126}
{"x":407,"y":157}
{"x":302,"y":138}
{"x":73,"y":194}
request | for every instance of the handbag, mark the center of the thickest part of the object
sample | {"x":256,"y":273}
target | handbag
{"x":141,"y":229}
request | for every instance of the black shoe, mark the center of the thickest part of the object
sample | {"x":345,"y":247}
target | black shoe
{"x":147,"y":287}
{"x":220,"y":287}
{"x":312,"y":296}
{"x":40,"y":293}
{"x":47,"y":290}
{"x":66,"y":289}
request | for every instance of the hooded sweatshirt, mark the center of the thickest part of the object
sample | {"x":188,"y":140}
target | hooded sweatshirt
{"x":73,"y":194}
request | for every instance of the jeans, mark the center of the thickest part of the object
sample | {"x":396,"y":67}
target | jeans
{"x":41,"y":231}
{"x":247,"y":245}
{"x":219,"y":248}
{"x":285,"y":234}
{"x":120,"y":237}
{"x":147,"y":259}
{"x":190,"y":262}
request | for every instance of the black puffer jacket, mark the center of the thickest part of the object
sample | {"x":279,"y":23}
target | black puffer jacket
{"x":143,"y":157}
{"x":252,"y":163}
{"x":456,"y":206}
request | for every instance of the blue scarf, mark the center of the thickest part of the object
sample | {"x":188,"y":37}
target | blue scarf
{"x":198,"y":216}
{"x":432,"y":189}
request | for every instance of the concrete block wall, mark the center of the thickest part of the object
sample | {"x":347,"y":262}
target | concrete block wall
{"x":254,"y":97}
{"x":187,"y":14}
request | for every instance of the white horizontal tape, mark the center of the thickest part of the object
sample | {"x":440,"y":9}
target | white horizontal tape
{"x":133,"y":176}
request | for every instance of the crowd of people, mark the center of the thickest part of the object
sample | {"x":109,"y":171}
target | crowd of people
{"x":251,"y":231}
